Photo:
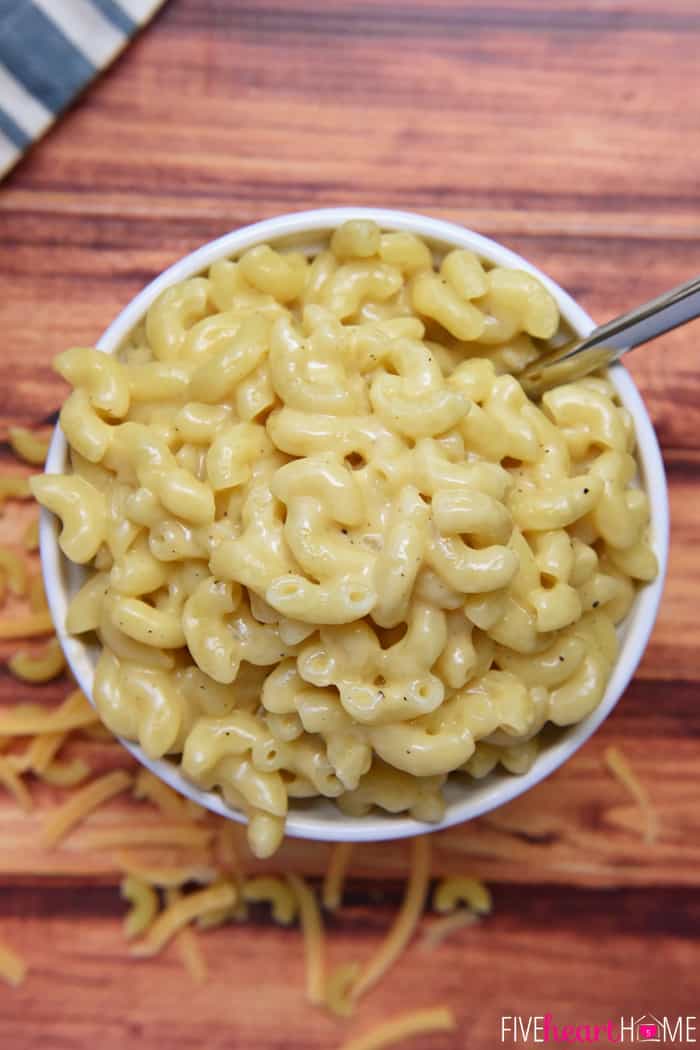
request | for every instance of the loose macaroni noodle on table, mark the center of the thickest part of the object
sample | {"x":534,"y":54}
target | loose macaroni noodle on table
{"x":335,"y":549}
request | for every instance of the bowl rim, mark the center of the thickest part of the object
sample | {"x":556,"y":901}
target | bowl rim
{"x":497,"y":789}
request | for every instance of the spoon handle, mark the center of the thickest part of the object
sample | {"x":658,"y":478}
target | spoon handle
{"x":610,"y":341}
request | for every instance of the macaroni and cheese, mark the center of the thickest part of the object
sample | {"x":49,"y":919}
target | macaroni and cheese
{"x":335,"y":550}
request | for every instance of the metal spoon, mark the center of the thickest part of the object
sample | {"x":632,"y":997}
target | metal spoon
{"x":608,"y":342}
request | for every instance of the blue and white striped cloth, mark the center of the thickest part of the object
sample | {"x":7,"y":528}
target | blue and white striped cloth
{"x":49,"y":51}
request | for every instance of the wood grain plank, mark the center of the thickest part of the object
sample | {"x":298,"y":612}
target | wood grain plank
{"x":480,"y":972}
{"x":254,"y":145}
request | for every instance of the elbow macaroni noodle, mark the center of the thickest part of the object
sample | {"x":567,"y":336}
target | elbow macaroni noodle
{"x":336,"y":551}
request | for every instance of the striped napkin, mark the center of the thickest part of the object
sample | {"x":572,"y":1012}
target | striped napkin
{"x":49,"y":51}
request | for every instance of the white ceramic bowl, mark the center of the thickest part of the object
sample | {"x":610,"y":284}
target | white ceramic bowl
{"x":319,"y":819}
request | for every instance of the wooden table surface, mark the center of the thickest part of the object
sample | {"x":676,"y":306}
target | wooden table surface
{"x":569,"y":132}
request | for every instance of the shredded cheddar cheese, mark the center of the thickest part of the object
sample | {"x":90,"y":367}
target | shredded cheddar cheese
{"x":414,"y":1022}
{"x":623,"y":772}
{"x":83,"y":803}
